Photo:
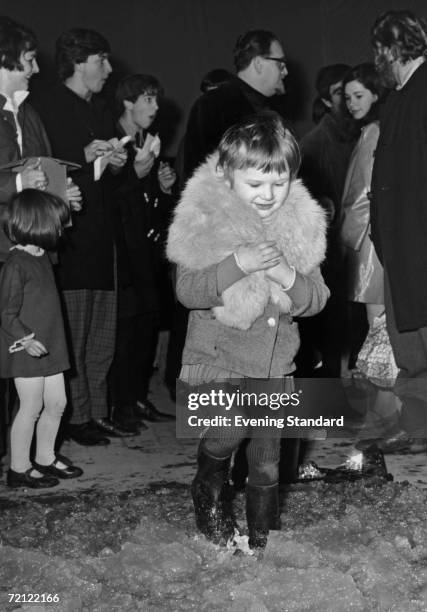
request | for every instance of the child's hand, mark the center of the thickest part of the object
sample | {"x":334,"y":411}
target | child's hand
{"x":34,"y":347}
{"x":282,"y":273}
{"x":258,"y":257}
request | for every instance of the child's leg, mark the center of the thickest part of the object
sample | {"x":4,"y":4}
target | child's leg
{"x":263,"y":456}
{"x":55,"y":401}
{"x":262,"y":489}
{"x":30,"y":393}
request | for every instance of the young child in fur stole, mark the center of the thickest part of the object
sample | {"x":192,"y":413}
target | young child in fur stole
{"x":248,"y":240}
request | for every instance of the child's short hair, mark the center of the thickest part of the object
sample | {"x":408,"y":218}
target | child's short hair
{"x":260,"y":141}
{"x":36,"y":217}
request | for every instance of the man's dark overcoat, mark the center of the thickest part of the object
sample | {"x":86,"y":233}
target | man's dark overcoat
{"x":399,"y":199}
{"x":217,"y":110}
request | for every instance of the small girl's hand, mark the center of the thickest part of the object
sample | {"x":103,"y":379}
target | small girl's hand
{"x":282,"y":273}
{"x":258,"y":257}
{"x":34,"y":348}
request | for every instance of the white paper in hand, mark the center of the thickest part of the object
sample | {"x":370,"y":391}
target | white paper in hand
{"x":101,"y":162}
{"x":151,"y":145}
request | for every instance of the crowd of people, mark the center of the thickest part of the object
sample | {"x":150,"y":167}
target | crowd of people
{"x":285,"y":257}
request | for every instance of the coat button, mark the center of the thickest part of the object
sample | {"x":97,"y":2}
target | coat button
{"x":271,"y":321}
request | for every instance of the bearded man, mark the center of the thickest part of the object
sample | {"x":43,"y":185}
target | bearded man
{"x":399,"y":213}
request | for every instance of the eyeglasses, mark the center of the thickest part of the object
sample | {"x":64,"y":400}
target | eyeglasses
{"x":279,"y":60}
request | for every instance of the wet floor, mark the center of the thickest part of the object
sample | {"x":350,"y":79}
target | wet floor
{"x":122,"y":537}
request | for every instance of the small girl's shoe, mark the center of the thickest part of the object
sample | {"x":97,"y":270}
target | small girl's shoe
{"x":69,"y":471}
{"x":24,"y":479}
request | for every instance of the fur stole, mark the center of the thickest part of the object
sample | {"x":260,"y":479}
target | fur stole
{"x":211,"y":222}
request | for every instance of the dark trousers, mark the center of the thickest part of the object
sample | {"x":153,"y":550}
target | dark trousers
{"x":3,"y":409}
{"x":410,"y":353}
{"x":90,"y":320}
{"x":132,"y":365}
{"x":176,"y":344}
{"x":323,"y":335}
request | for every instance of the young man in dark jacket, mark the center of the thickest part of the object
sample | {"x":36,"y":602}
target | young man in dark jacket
{"x":79,"y":126}
{"x":144,"y":203}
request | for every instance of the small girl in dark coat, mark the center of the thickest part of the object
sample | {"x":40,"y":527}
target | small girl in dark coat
{"x":33,"y":349}
{"x":248,"y":240}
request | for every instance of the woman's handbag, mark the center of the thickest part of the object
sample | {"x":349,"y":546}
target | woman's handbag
{"x":376,"y":359}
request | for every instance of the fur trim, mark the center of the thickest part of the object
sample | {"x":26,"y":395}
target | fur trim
{"x":211,"y":222}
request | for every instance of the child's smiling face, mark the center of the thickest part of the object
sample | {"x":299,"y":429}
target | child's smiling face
{"x":265,"y":192}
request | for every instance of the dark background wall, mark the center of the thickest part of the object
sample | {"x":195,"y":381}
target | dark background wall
{"x":180,"y":40}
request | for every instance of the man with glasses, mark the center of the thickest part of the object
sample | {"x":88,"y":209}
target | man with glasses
{"x":261,"y":68}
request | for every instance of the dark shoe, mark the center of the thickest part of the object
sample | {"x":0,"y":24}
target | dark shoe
{"x":262,"y":513}
{"x":124,"y":417}
{"x":63,"y":459}
{"x":69,"y":471}
{"x":86,"y":435}
{"x":24,"y":479}
{"x":398,"y":442}
{"x":418,"y":445}
{"x":212,"y":500}
{"x":108,"y":428}
{"x":148,"y":412}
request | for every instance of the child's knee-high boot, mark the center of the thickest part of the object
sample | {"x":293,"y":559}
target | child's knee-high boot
{"x":262,"y":513}
{"x":209,"y":491}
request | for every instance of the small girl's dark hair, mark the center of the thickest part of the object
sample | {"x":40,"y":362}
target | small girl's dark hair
{"x":36,"y":217}
{"x":259,"y":141}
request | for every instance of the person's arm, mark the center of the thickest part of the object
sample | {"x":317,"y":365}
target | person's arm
{"x":7,"y":189}
{"x":308,"y":293}
{"x":12,"y":181}
{"x":200,"y":289}
{"x":11,"y":299}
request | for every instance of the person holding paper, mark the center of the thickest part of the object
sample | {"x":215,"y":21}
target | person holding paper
{"x":144,"y":202}
{"x":80,"y":126}
{"x":22,"y":134}
{"x":21,"y":131}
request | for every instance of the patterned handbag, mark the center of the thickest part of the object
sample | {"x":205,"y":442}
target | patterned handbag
{"x":376,"y":360}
